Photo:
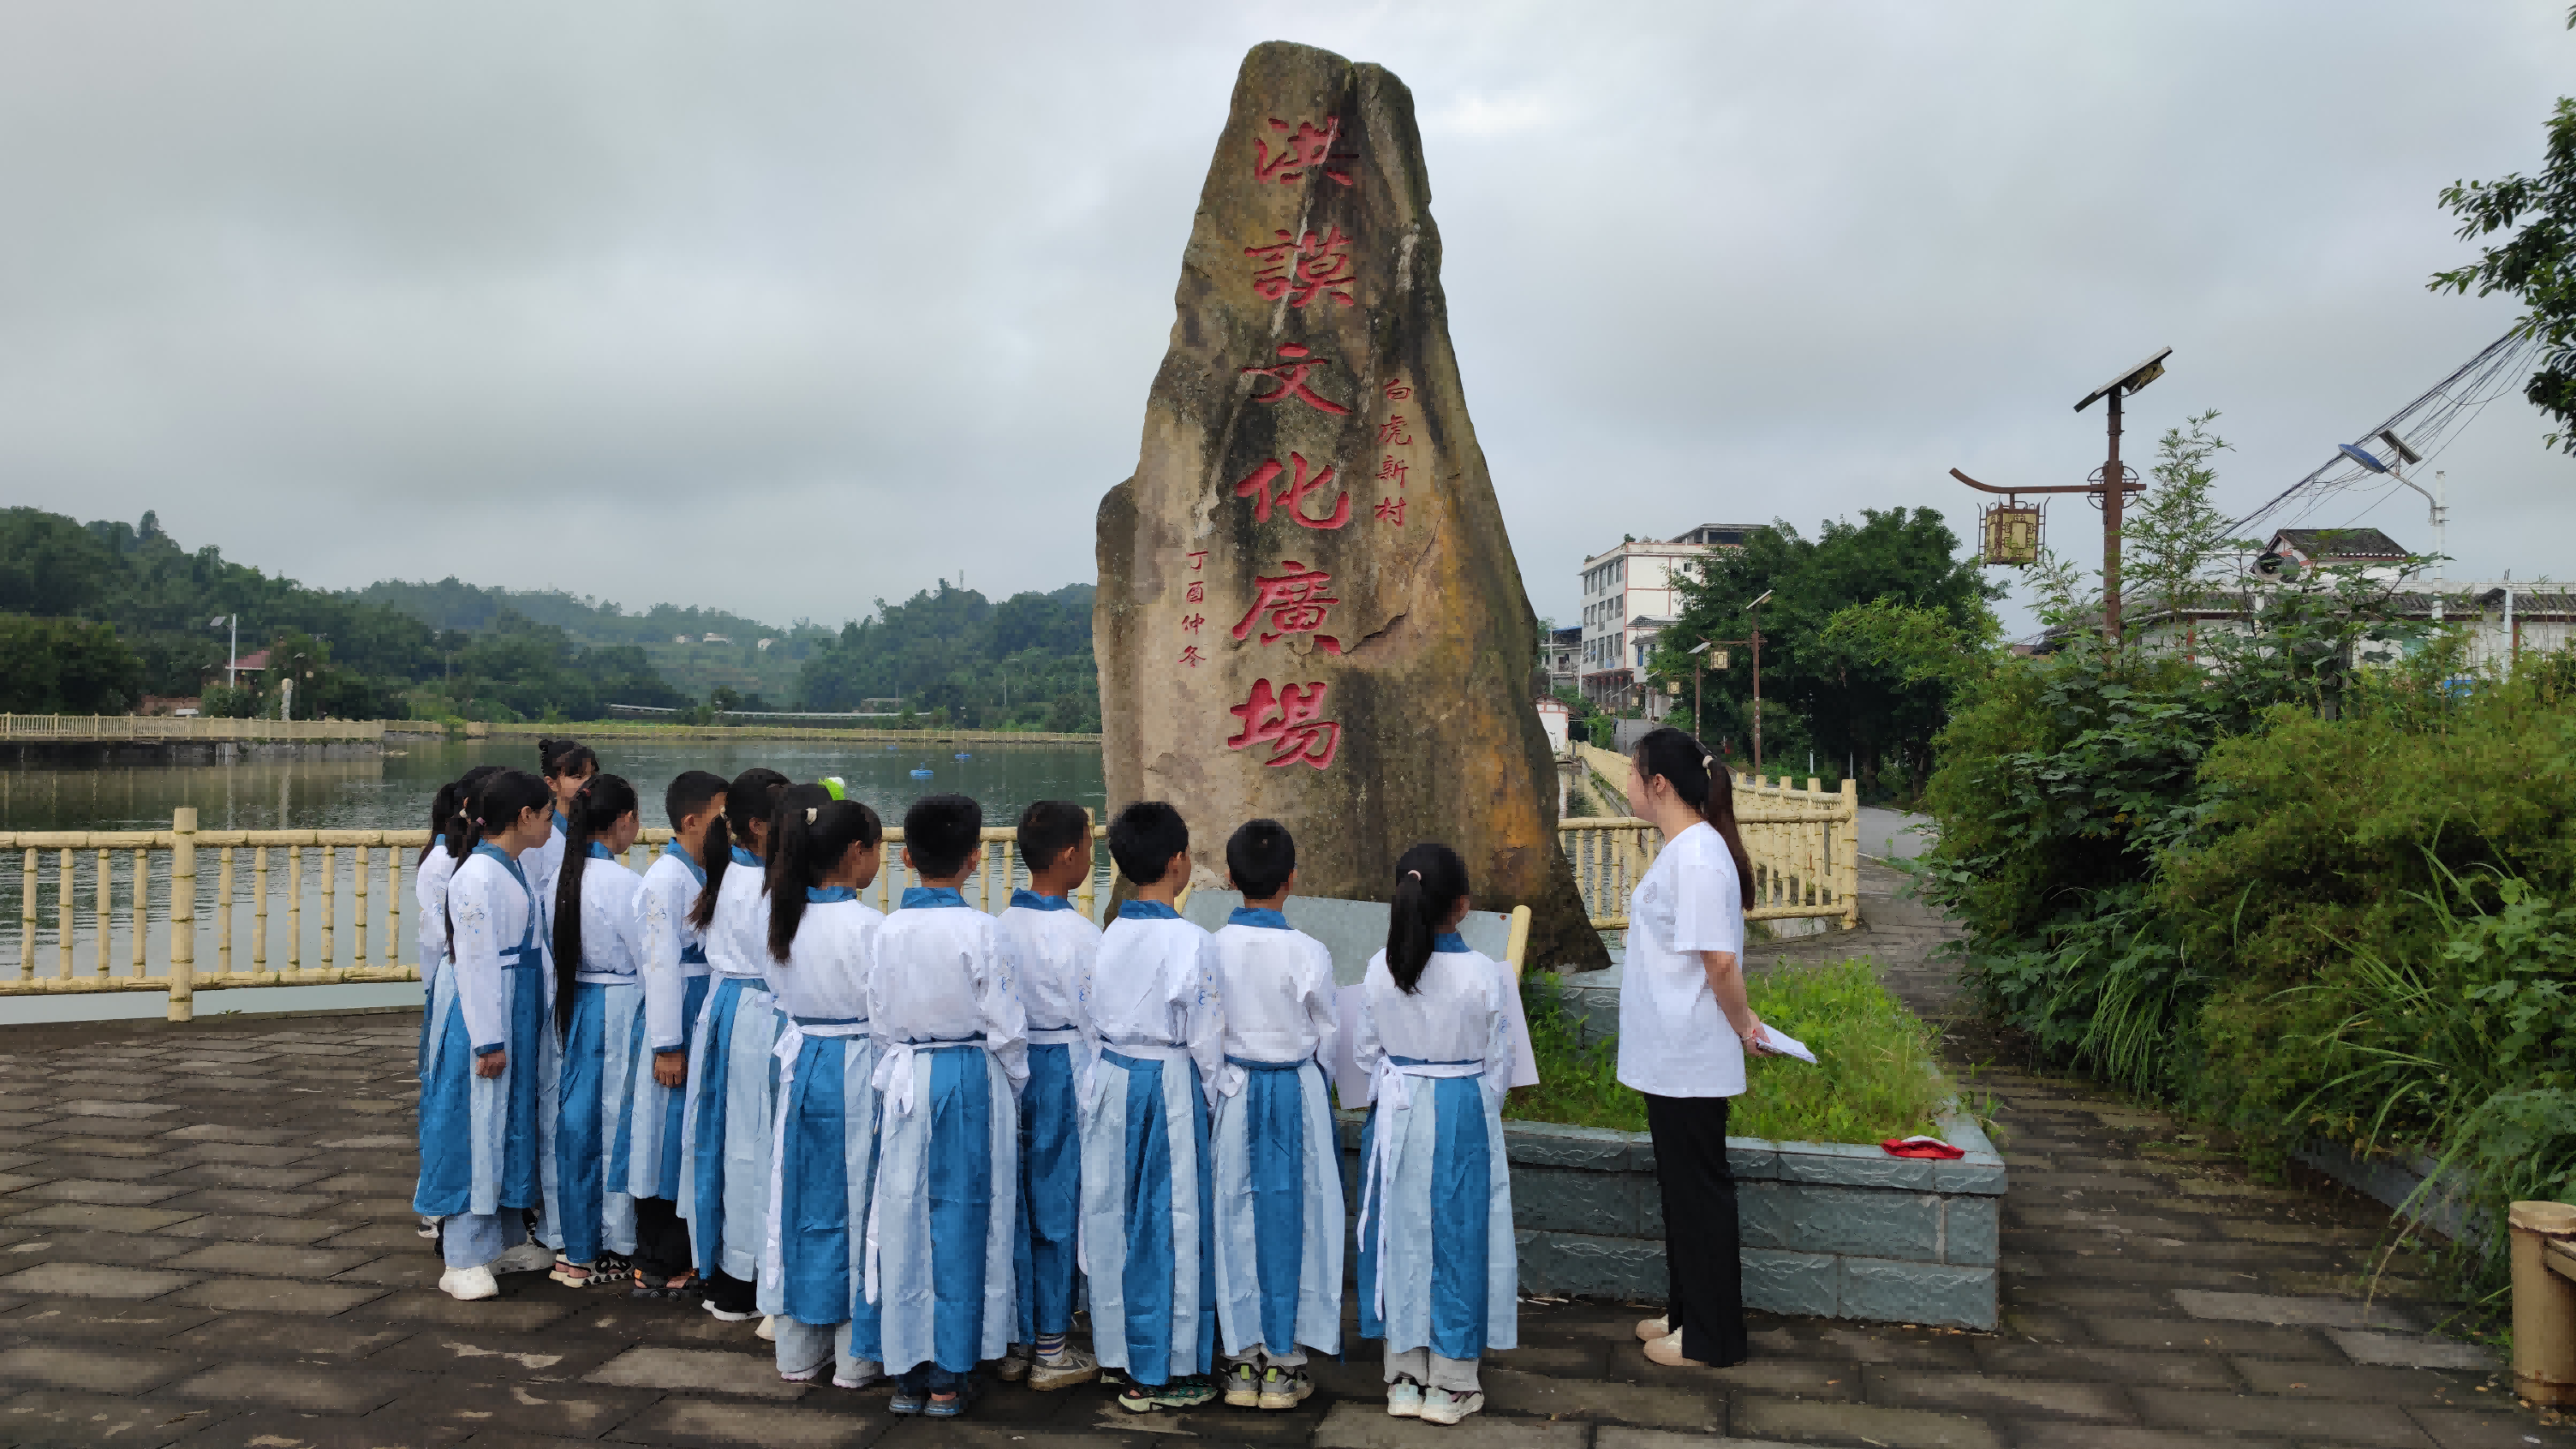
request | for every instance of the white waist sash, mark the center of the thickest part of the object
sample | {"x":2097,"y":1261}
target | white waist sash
{"x":1389,"y":1089}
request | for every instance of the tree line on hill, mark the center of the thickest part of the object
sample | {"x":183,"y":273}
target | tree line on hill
{"x":96,"y":616}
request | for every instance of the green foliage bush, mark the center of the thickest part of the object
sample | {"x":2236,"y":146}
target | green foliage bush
{"x":65,"y":666}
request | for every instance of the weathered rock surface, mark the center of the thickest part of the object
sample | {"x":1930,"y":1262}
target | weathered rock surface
{"x":1308,"y":607}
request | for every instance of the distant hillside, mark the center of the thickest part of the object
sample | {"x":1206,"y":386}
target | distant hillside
{"x":696,"y":669}
{"x":1026,"y":660}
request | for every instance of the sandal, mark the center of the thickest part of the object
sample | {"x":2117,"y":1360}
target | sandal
{"x":676,"y":1290}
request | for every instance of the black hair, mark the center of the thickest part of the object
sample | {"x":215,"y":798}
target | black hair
{"x":1429,"y":879}
{"x":689,"y":793}
{"x":603,"y":801}
{"x":943,"y":832}
{"x":806,"y":842}
{"x":1681,"y":762}
{"x":469,"y":799}
{"x":565,"y":757}
{"x":1260,"y":855}
{"x":502,"y":797}
{"x":794,"y":800}
{"x":1144,"y":837}
{"x":453,"y":799}
{"x":751,"y":796}
{"x":1048,"y":829}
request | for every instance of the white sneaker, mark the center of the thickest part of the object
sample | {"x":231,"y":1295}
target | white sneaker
{"x":865,"y":1372}
{"x":1404,"y":1399}
{"x":525,"y":1258}
{"x":1439,"y":1406}
{"x":468,"y":1284}
{"x":723,"y":1316}
{"x":767,"y":1332}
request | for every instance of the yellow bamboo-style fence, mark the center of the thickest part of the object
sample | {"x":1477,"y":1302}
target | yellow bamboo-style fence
{"x":1805,"y":846}
{"x":151,"y":727}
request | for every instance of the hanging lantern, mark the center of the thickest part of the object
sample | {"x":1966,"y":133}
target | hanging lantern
{"x":2011,"y":533}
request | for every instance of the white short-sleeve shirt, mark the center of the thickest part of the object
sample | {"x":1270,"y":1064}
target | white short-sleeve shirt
{"x":1673,"y":1040}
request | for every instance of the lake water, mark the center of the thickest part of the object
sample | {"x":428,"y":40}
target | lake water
{"x":394,"y":793}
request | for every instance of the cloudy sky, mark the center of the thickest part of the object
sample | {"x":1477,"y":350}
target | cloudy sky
{"x":787,"y":307}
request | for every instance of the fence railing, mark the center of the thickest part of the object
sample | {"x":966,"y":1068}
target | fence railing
{"x":80,"y":727}
{"x":1804,"y":843}
{"x":924,"y":736}
{"x":185,"y":910}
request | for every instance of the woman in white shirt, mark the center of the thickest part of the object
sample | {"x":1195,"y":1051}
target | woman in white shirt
{"x":1685,"y":1029}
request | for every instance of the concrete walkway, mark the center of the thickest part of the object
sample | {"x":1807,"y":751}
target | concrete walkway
{"x":205,"y":1239}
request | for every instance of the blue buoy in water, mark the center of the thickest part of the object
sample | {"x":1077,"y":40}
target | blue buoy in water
{"x":921,"y":772}
{"x":961,"y":754}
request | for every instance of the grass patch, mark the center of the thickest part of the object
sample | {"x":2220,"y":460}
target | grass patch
{"x":1877,"y":1073}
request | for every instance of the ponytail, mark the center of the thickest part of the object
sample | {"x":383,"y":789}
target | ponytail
{"x":807,"y":838}
{"x":1680,"y":761}
{"x":502,"y":795}
{"x":460,"y":802}
{"x":1429,"y":881}
{"x":752,"y":796}
{"x":603,"y":801}
{"x":442,"y":813}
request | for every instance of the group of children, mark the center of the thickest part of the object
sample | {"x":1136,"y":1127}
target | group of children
{"x":916,"y":1143}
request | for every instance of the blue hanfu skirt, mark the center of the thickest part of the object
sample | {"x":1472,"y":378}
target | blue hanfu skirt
{"x":1442,"y":1270}
{"x":822,"y":1169}
{"x":598,"y":1095}
{"x":487,"y":1143}
{"x":725,"y":1133}
{"x":1276,"y":1168}
{"x":1048,"y":1251}
{"x":1148,"y":1245}
{"x":652,"y":1164}
{"x":941,"y":1218}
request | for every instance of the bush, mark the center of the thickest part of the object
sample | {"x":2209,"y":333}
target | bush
{"x":66,"y":666}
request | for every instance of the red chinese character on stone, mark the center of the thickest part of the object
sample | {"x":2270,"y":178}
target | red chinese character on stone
{"x":1307,"y":148}
{"x":1291,"y":497}
{"x":1389,"y":467}
{"x":1192,"y":622}
{"x":1392,"y":510}
{"x":1298,"y":267}
{"x":1197,"y":593}
{"x":1296,"y":602}
{"x":1198,"y":560}
{"x":1397,"y":390}
{"x":1391,"y":433}
{"x":1297,"y":735}
{"x":1192,"y":657}
{"x":1290,"y":373}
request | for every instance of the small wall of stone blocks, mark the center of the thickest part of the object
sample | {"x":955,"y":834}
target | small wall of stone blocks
{"x":1828,"y":1229}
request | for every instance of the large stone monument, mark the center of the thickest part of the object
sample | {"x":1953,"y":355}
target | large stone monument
{"x":1308,"y":607}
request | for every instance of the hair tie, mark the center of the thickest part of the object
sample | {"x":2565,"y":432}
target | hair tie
{"x":810,"y":813}
{"x":1417,"y":875}
{"x":1708,"y":762}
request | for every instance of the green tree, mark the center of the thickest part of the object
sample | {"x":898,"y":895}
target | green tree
{"x":65,"y":666}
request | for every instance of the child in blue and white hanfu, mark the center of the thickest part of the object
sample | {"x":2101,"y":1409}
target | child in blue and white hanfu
{"x":1047,"y":949}
{"x":943,"y":1217}
{"x":822,"y":948}
{"x":449,"y":811}
{"x":671,"y":960}
{"x":1438,"y":1267}
{"x":597,"y":1000}
{"x":486,"y":1114}
{"x":1147,"y":1218}
{"x":725,"y":1136}
{"x":1274,"y":1159}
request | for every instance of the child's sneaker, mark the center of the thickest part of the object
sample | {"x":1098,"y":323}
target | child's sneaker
{"x":724,"y":1315}
{"x":468,"y":1284}
{"x":1284,"y":1388}
{"x":949,"y":1405}
{"x":1439,"y":1406}
{"x":429,"y":1227}
{"x":1404,"y":1399}
{"x":767,"y":1332}
{"x":1242,"y":1387}
{"x":1183,"y":1393}
{"x":1014,"y":1365}
{"x":525,"y":1258}
{"x":1071,"y":1367}
{"x":863,"y":1372}
{"x":908,"y":1401}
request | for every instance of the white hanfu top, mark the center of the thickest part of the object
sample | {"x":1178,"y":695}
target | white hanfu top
{"x":1277,"y":986}
{"x":1048,"y":953}
{"x":543,"y":864}
{"x":738,"y":932}
{"x":825,"y":980}
{"x":611,"y":931}
{"x":1673,"y":1039}
{"x":429,"y":890}
{"x":1455,"y":1014}
{"x":1152,"y":991}
{"x":938,"y":978}
{"x":491,"y":910}
{"x":664,"y":940}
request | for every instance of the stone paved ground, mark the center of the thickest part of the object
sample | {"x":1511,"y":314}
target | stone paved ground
{"x":205,"y":1240}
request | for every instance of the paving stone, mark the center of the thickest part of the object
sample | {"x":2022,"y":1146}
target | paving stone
{"x":278,"y":1336}
{"x":1367,"y":1426}
{"x":2408,"y":1350}
{"x":1619,"y":1436}
{"x":2329,"y":1420}
{"x":114,"y":1126}
{"x":148,"y":1323}
{"x":379,"y":1237}
{"x":91,"y":1149}
{"x":509,"y":1313}
{"x":27,"y":1119}
{"x":695,"y":1370}
{"x":1520,"y":1395}
{"x":101,"y":1218}
{"x":247,"y":1200}
{"x":2044,"y":1435}
{"x":270,"y":1260}
{"x":247,"y":1174}
{"x":267,"y":1295}
{"x":2276,"y":1308}
{"x":1763,"y":1373}
{"x":268,"y":1428}
{"x":306,"y":1388}
{"x":89,"y":1367}
{"x":93,"y":1190}
{"x":245,"y":1152}
{"x":55,"y":1166}
{"x":1756,"y":1416}
{"x":370,"y":1184}
{"x":2104,"y":1365}
{"x":1998,"y":1394}
{"x":410,"y":1268}
{"x":124,"y":1249}
{"x":570,"y":1410}
{"x":51,"y":1417}
{"x":94,"y":1280}
{"x":2357,"y":1382}
{"x":251,"y":1228}
{"x":485,"y":1353}
{"x":223,"y":1132}
{"x":2193,"y":1335}
{"x":2498,"y":1428}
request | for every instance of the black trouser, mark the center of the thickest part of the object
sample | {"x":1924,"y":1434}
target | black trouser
{"x":661,"y":1241}
{"x":1702,"y":1252}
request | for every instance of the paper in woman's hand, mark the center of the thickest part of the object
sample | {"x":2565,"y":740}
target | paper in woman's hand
{"x":1779,"y":1043}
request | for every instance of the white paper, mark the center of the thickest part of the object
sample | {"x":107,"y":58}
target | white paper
{"x":1774,"y":1039}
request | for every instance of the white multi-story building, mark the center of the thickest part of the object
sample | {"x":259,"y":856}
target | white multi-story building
{"x":1628,"y":599}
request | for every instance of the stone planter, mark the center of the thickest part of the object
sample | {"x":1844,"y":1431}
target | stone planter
{"x":1828,"y":1229}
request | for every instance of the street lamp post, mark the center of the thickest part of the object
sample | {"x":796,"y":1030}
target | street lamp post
{"x":232,"y":651}
{"x":1754,"y":610}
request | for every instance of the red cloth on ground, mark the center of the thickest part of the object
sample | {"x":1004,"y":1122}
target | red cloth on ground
{"x":1920,"y":1147}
